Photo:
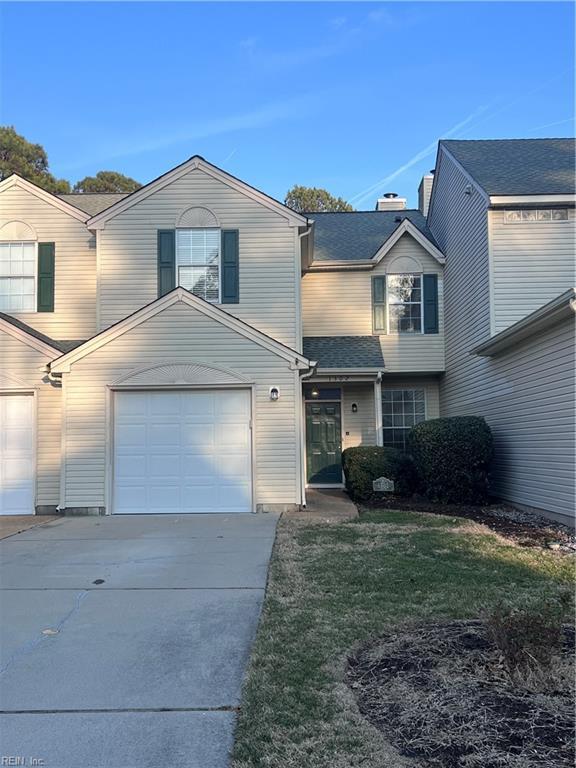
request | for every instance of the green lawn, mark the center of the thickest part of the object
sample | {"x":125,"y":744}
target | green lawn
{"x":332,"y":587}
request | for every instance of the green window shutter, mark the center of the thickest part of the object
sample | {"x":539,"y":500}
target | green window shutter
{"x":430,"y":295}
{"x":230,"y":277}
{"x":46,"y":264}
{"x":166,"y":261}
{"x":379,"y":304}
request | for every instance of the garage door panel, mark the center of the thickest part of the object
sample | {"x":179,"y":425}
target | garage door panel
{"x":163,"y":404}
{"x":199,"y":436}
{"x":163,"y":465}
{"x":17,"y":467}
{"x":164,"y":496}
{"x":193,"y":454}
{"x":202,"y":404}
{"x":17,"y":440}
{"x":233,"y":436}
{"x":164,"y":434}
{"x":131,"y":467}
{"x":235,"y":404}
{"x":199,"y":467}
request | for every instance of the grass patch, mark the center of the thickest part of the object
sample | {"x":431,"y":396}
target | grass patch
{"x":332,"y":588}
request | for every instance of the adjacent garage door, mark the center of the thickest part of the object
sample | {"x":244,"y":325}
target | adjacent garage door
{"x":181,"y":452}
{"x":16,"y":454}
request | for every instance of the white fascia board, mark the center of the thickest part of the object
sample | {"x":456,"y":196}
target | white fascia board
{"x":296,"y":360}
{"x":195,"y":163}
{"x":18,"y":181}
{"x":31,"y":341}
{"x":406,"y":227}
{"x":504,"y":200}
{"x":332,"y":266}
{"x":561,"y":307}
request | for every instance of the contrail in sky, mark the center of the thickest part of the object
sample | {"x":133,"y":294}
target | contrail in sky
{"x":428,"y":150}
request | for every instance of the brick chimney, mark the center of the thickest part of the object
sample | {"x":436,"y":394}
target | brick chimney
{"x":424,"y":192}
{"x":390,"y":202}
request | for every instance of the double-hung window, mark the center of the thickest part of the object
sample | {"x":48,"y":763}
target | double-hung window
{"x":397,"y":304}
{"x":198,"y":262}
{"x":18,"y":277}
{"x":404,"y":303}
{"x":401,"y":410}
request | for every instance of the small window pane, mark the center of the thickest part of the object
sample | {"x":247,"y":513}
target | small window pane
{"x":513,"y":216}
{"x":401,"y":410}
{"x":198,"y":261}
{"x":544,"y":215}
{"x":561,"y":214}
{"x":528,"y":215}
{"x":17,"y":277}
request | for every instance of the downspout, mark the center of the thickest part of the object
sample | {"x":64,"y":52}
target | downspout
{"x":378,"y":407}
{"x":304,"y":375}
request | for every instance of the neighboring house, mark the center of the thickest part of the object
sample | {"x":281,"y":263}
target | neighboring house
{"x":502,"y":212}
{"x":196,"y":346}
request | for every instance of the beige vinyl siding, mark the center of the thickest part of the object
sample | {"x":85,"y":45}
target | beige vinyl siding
{"x":459,"y":224}
{"x":528,"y":401}
{"x":180,"y":334}
{"x":339,"y":303}
{"x":532,"y":263}
{"x":74,"y":315}
{"x":25,"y":363}
{"x":525,"y":394}
{"x":269,"y":264}
{"x":358,"y":428}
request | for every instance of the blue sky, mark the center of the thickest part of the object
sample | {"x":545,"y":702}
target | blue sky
{"x":338,"y":95}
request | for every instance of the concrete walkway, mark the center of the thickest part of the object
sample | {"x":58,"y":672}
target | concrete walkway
{"x":326,"y":505}
{"x":124,"y":639}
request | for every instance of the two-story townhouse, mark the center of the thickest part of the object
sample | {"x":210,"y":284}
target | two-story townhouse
{"x":153,"y":352}
{"x":372,"y":309}
{"x":150,"y":348}
{"x":502,"y":211}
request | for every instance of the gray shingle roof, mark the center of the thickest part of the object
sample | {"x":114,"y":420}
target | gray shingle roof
{"x":344,"y":351}
{"x":518,"y":166}
{"x":63,"y":346}
{"x":93,"y":203}
{"x":358,"y":235}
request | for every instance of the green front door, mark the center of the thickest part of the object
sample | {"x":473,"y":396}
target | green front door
{"x":323,"y":443}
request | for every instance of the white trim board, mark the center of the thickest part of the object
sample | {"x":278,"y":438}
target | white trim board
{"x":196,"y":163}
{"x":297,"y":361}
{"x":18,"y":181}
{"x":406,"y":227}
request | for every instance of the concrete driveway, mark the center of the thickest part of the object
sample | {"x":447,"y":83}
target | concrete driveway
{"x":124,"y":639}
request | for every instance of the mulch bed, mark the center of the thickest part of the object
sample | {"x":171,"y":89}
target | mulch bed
{"x":524,"y":528}
{"x":441,"y":696}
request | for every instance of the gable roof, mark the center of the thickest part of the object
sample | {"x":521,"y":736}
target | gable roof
{"x":359,"y":235}
{"x":92,"y":203}
{"x":34,"y":338}
{"x":518,"y":166}
{"x":297,"y":360}
{"x":194,"y":163}
{"x":17,"y":181}
{"x":344,"y":351}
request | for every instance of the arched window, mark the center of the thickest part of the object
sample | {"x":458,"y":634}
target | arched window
{"x":18,"y":267}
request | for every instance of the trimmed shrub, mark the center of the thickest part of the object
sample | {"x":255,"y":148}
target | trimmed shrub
{"x":451,"y":457}
{"x":364,"y":464}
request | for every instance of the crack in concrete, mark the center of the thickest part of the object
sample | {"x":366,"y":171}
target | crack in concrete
{"x":28,"y":647}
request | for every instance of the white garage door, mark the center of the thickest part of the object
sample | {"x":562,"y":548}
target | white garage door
{"x":180,"y":452}
{"x":16,"y":454}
